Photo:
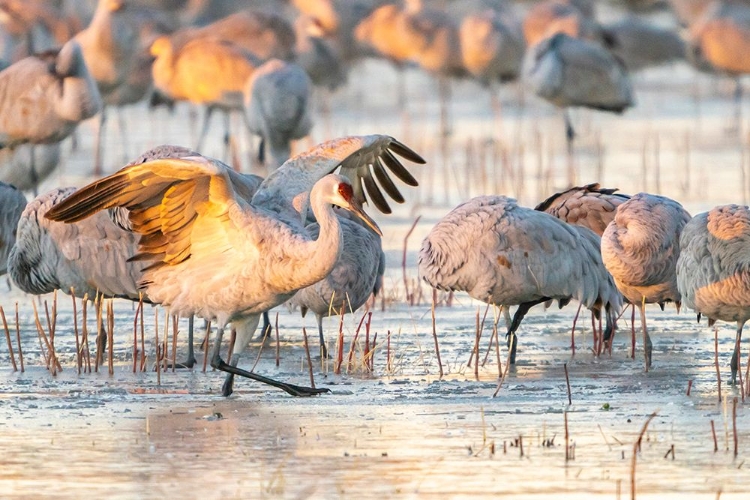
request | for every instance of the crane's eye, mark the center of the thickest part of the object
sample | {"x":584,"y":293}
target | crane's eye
{"x":345,"y":190}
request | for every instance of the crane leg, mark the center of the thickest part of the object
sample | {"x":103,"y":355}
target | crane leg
{"x":32,"y":172}
{"x":736,"y":354}
{"x":204,"y":128}
{"x":609,"y":331}
{"x":266,"y":328}
{"x":573,"y":330}
{"x":647,"y":346}
{"x":517,"y":318}
{"x":100,"y":142}
{"x":245,"y":330}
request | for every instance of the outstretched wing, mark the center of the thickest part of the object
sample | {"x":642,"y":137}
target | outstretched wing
{"x":165,"y":197}
{"x":363,"y":159}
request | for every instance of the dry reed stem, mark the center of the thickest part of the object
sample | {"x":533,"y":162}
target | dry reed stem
{"x":350,"y":357}
{"x":51,"y":366}
{"x":85,"y":332}
{"x":636,"y":448}
{"x":309,"y":360}
{"x":143,"y":333}
{"x":135,"y":336}
{"x":18,"y":340}
{"x":713,"y":434}
{"x":111,"y":337}
{"x":409,"y":294}
{"x":567,"y":437}
{"x":339,"y":348}
{"x":157,"y":345}
{"x":734,"y":424}
{"x":507,"y":366}
{"x":567,"y":382}
{"x":7,"y":339}
{"x":716,"y":359}
{"x":206,"y":349}
{"x":690,"y":385}
{"x":277,"y":339}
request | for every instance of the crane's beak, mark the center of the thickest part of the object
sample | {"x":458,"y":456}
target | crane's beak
{"x":357,"y":210}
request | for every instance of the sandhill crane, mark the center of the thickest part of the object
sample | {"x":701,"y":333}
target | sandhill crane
{"x":570,"y":72}
{"x":720,"y":40}
{"x":492,"y":46}
{"x":317,"y":56}
{"x":640,"y":44}
{"x":501,"y":253}
{"x":357,"y":275}
{"x":205,"y":71}
{"x":110,"y":47}
{"x":640,"y":247}
{"x":44,"y":97}
{"x":27,"y":165}
{"x":421,"y":35}
{"x":190,"y":215}
{"x":689,"y":12}
{"x":12,"y":203}
{"x":589,"y":206}
{"x":713,"y":267}
{"x":277,"y":108}
{"x":547,"y":18}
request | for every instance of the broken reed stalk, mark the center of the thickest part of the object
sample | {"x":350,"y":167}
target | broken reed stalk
{"x":18,"y":339}
{"x":734,"y":424}
{"x":110,"y":337}
{"x":135,"y":335}
{"x":636,"y":448}
{"x":690,"y":386}
{"x":277,"y":339}
{"x":7,"y":339}
{"x":98,"y":357}
{"x":480,"y":329}
{"x":75,"y":328}
{"x":309,"y":359}
{"x":409,"y":294}
{"x":205,"y":344}
{"x":713,"y":434}
{"x":495,"y":335}
{"x":434,"y":333}
{"x":165,"y":348}
{"x":174,"y":342}
{"x":716,"y":359}
{"x":260,"y":350}
{"x":372,"y":352}
{"x":567,"y":382}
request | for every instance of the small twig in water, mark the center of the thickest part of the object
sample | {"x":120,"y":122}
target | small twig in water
{"x":309,"y":360}
{"x":636,"y":449}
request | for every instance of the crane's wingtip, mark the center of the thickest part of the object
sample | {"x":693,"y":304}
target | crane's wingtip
{"x":405,"y":151}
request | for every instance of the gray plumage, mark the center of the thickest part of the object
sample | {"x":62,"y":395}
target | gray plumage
{"x":44,"y":97}
{"x":277,"y":107}
{"x":501,"y":253}
{"x":570,"y":72}
{"x":589,"y":206}
{"x":89,"y":256}
{"x":17,"y":166}
{"x":358,"y":273}
{"x":640,"y":248}
{"x":12,"y":203}
{"x":640,"y":44}
{"x":190,"y":217}
{"x":713,"y":269}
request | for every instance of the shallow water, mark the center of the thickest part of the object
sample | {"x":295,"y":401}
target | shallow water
{"x":401,"y":431}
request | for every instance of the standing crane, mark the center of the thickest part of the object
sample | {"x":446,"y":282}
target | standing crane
{"x":713,"y":270}
{"x":190,"y":216}
{"x":640,"y":248}
{"x":501,"y":253}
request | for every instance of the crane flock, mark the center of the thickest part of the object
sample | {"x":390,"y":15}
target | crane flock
{"x":156,"y":229}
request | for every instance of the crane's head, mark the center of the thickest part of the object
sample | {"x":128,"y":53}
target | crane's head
{"x":337,"y":190}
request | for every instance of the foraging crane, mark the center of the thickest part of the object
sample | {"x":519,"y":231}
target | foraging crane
{"x":189,"y":215}
{"x":589,"y":206}
{"x":713,"y":270}
{"x":12,"y":203}
{"x":44,"y":97}
{"x":357,"y":275}
{"x":571,"y":72}
{"x":640,"y":248}
{"x":277,"y":108}
{"x":501,"y":253}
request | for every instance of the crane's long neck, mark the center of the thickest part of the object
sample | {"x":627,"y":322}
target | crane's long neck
{"x":79,"y":97}
{"x":324,"y":251}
